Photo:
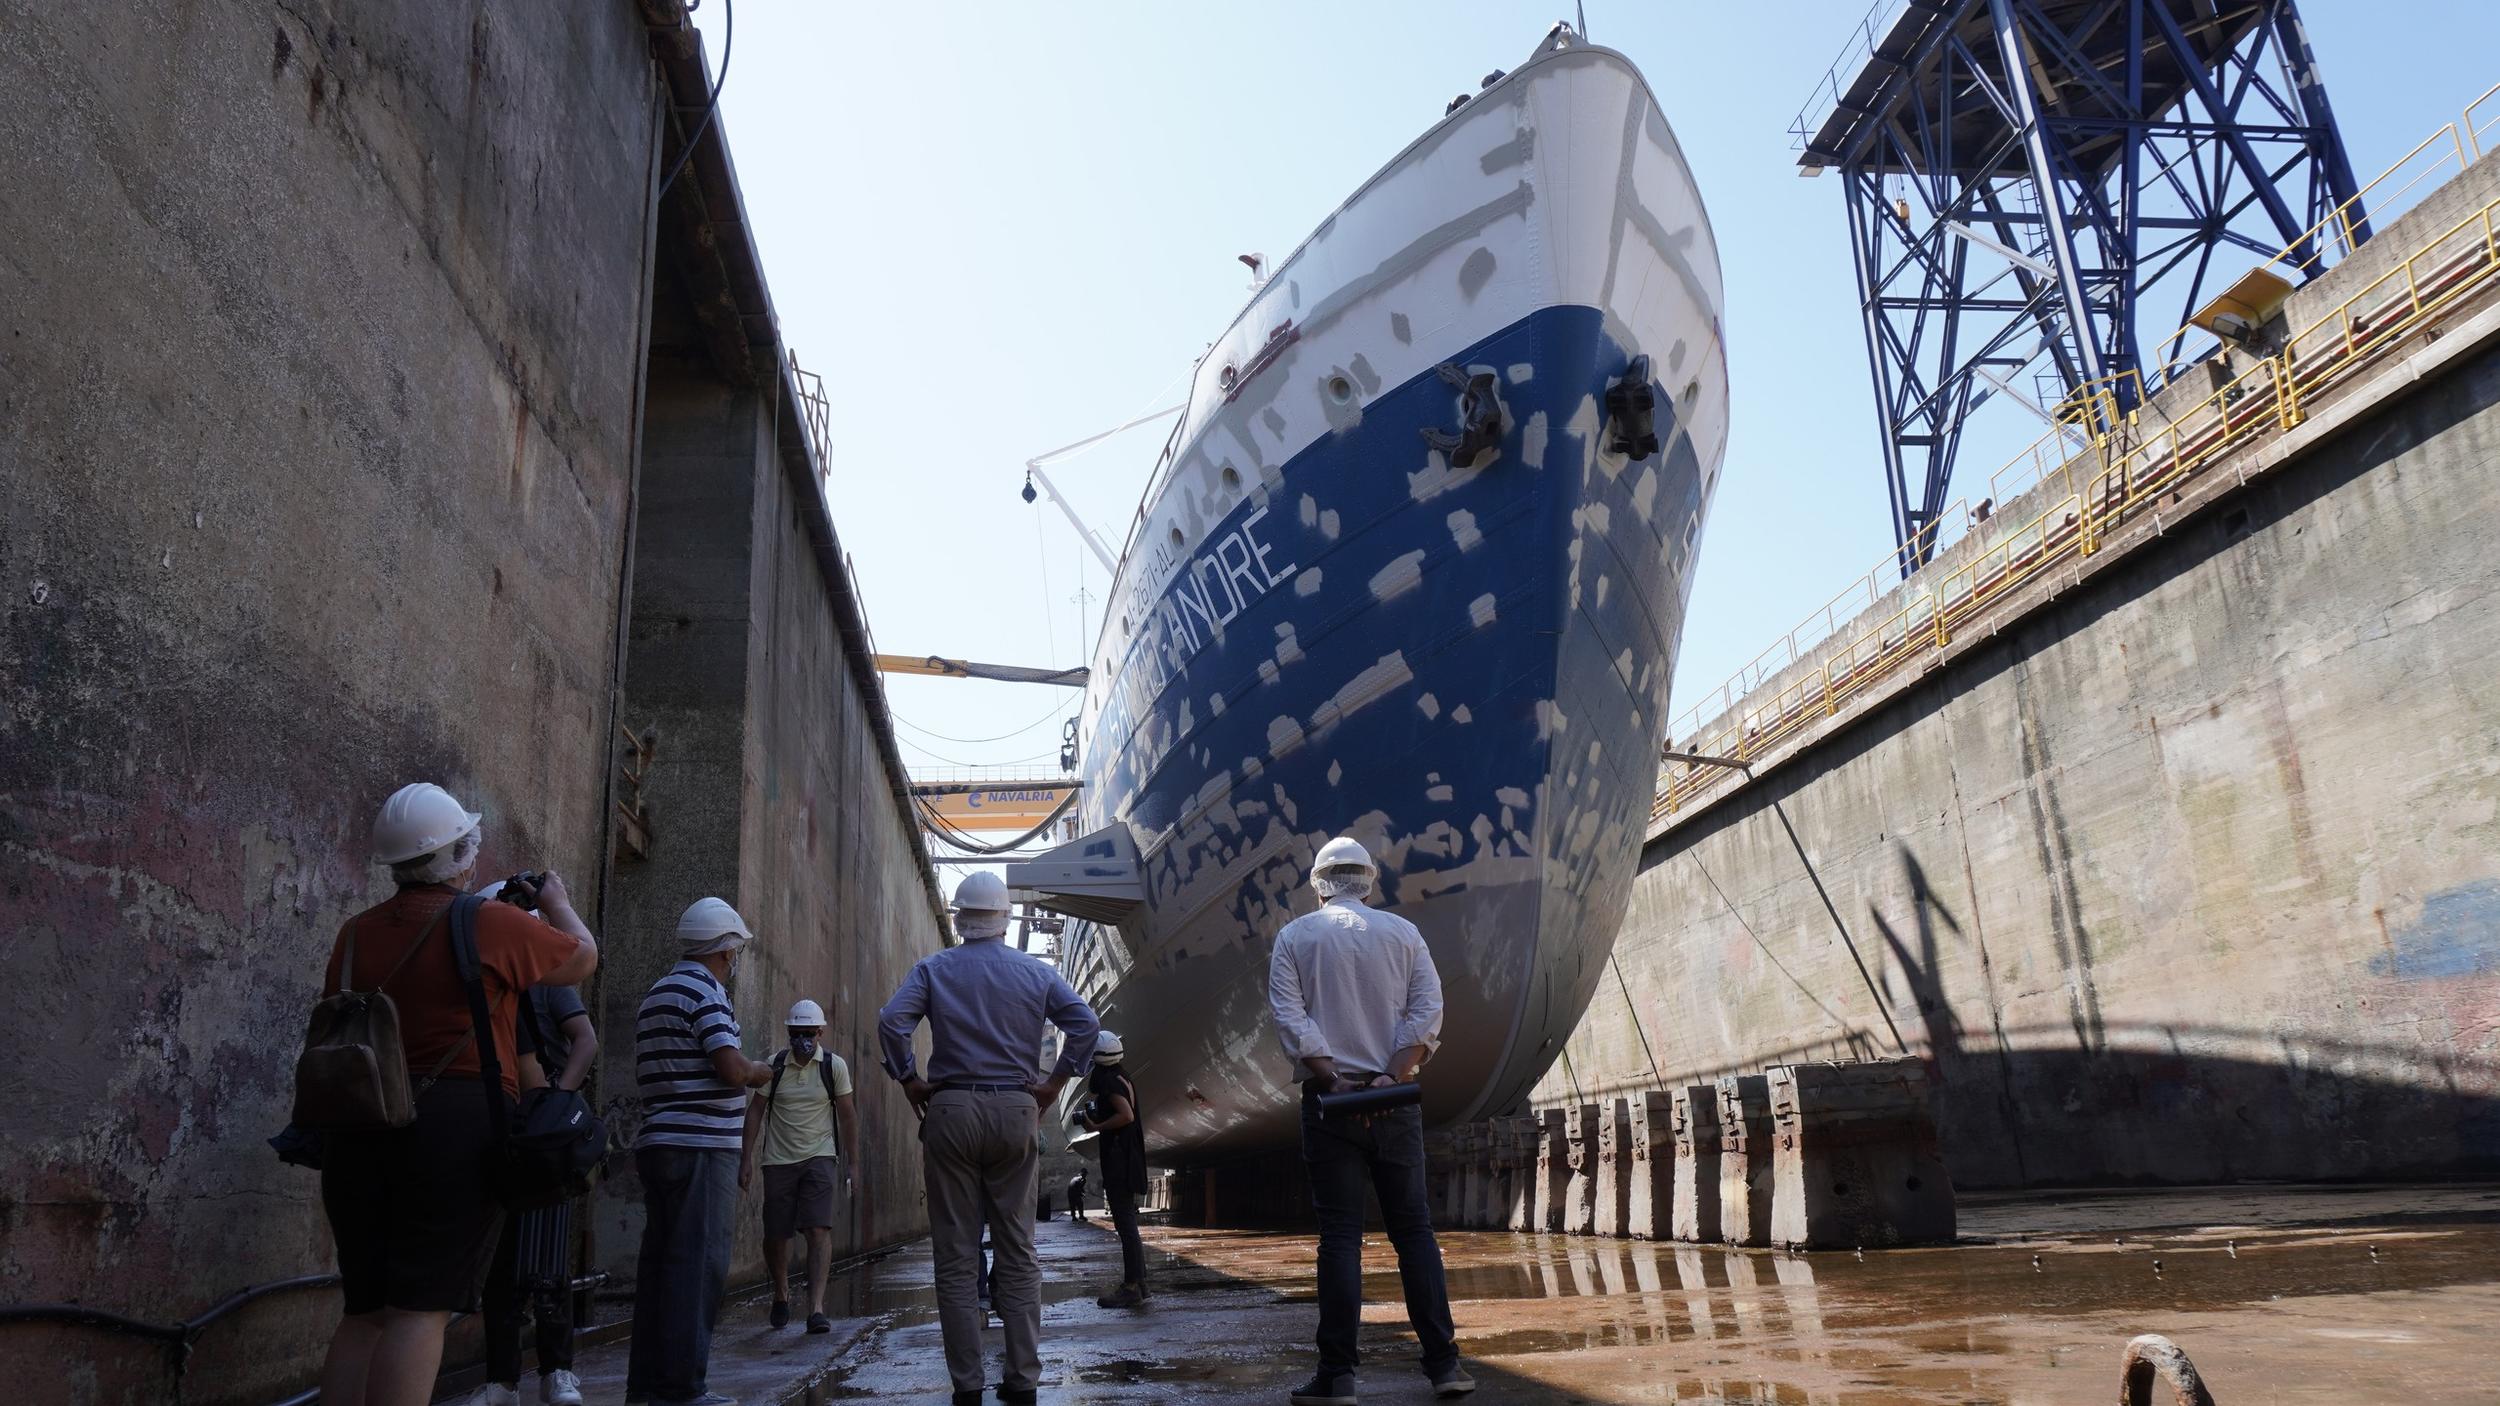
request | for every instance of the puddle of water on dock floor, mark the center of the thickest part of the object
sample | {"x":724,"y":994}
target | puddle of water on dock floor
{"x":2278,"y":1295}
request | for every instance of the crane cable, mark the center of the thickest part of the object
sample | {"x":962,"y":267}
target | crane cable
{"x":963,"y":840}
{"x":975,"y":741}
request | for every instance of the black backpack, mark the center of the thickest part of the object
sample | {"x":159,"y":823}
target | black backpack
{"x":545,"y":1153}
{"x":824,"y":1071}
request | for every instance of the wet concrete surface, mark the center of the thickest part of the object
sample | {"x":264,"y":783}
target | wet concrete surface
{"x":2279,"y":1295}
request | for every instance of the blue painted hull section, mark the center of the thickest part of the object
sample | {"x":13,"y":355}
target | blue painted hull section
{"x":1466,"y":669}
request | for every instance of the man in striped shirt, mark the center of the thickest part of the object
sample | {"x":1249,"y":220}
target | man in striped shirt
{"x":693,"y":1082}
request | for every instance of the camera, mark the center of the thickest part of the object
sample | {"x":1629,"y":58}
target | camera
{"x":521,"y":890}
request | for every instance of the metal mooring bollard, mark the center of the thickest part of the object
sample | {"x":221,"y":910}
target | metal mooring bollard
{"x":1580,"y":1198}
{"x":1745,"y":1159}
{"x":1553,"y":1169}
{"x":1653,"y":1167}
{"x":1695,"y":1112}
{"x":2155,"y":1360}
{"x":1854,"y":1157}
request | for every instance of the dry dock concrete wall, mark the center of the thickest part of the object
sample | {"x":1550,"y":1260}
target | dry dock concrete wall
{"x":320,"y":386}
{"x":2190,"y":872}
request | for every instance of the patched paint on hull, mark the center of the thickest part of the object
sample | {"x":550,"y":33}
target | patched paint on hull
{"x":1323,"y":626}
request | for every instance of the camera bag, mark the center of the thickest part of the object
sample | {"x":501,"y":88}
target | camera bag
{"x":544,"y":1153}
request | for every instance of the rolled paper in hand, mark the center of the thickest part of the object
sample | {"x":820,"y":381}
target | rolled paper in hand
{"x":1356,"y":1103}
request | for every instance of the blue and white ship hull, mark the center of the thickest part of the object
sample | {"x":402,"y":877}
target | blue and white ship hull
{"x":1323,"y":626}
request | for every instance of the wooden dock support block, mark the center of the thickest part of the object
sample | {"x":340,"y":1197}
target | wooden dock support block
{"x":1580,"y":1197}
{"x":1855,"y":1160}
{"x":1651,"y":1212}
{"x":1694,"y":1114}
{"x":1553,"y":1169}
{"x":1613,"y":1217}
{"x":1745,"y":1159}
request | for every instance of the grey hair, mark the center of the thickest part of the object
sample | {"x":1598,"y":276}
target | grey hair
{"x":441,"y":866}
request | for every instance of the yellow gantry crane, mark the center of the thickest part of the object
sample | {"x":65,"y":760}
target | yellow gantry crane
{"x":1008,"y":803}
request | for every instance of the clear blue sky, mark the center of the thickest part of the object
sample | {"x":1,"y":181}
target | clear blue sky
{"x":997,"y":228}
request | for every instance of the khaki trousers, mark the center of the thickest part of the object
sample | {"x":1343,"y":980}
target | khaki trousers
{"x":979,"y":1157}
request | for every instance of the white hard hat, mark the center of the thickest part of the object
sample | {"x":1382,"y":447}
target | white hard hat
{"x":1107,"y":1049}
{"x":981,"y":892}
{"x":417,"y":820}
{"x":701,"y":930}
{"x":1344,"y":852}
{"x":805,"y":1014}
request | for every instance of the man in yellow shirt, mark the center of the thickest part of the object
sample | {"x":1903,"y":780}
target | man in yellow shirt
{"x":790,"y":1128}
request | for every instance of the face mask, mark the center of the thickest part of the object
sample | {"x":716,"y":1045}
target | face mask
{"x":803,"y":1048}
{"x":730,"y":975}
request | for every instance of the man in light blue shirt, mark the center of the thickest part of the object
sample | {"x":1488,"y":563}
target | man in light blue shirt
{"x":986,"y":1005}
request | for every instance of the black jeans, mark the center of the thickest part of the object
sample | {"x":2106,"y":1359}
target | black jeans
{"x":1385,"y":1151}
{"x":1122,"y":1208}
{"x":689,"y":1195}
{"x":550,"y":1303}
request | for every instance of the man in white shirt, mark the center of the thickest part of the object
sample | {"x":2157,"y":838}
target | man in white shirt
{"x":1357,"y":1003}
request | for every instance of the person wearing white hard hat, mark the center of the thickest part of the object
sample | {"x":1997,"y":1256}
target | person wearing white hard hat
{"x":1357,"y":1003}
{"x":693,"y":1118}
{"x":410,"y":1209}
{"x":801,"y":1128}
{"x":980,"y":1100}
{"x":1110,"y":1111}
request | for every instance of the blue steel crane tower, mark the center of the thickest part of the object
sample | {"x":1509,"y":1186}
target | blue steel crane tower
{"x":2020,"y":176}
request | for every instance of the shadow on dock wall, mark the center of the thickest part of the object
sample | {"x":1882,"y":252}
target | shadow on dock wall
{"x":2189,"y":875}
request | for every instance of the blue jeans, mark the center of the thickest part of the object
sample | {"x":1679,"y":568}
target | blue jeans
{"x":1386,"y":1152}
{"x":688,"y":1197}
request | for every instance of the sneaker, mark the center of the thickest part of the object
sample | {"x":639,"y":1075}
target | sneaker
{"x":781,"y":1313}
{"x":1452,"y":1381}
{"x":1325,"y":1390}
{"x":560,"y":1388}
{"x":818,"y":1323}
{"x":967,"y":1398}
{"x":1126,"y":1296}
{"x":496,"y":1394}
{"x":1018,"y":1395}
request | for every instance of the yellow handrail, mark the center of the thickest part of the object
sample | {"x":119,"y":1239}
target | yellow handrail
{"x":2139,"y":464}
{"x":2055,"y":451}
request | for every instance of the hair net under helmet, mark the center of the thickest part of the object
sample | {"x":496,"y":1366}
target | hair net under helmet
{"x":708,"y":926}
{"x":1344,"y":869}
{"x":981,"y":906}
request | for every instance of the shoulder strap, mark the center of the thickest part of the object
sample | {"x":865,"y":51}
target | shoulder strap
{"x":422,"y":939}
{"x":463,"y":913}
{"x":347,"y":959}
{"x":780,"y":1058}
{"x":833,"y":1101}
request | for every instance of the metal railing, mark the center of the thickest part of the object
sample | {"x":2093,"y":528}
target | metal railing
{"x":815,"y":410}
{"x":2084,"y":417}
{"x":2132,"y":466}
{"x":1854,"y":52}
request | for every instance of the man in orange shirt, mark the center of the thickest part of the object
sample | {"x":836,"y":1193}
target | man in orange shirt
{"x":410,"y":1207}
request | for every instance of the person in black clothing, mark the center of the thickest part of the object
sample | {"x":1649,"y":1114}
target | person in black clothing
{"x":1076,"y":1197}
{"x":1111,"y":1110}
{"x":534,"y":1256}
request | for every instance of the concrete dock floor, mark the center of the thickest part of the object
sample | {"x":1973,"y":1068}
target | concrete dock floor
{"x":2278,"y":1294}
